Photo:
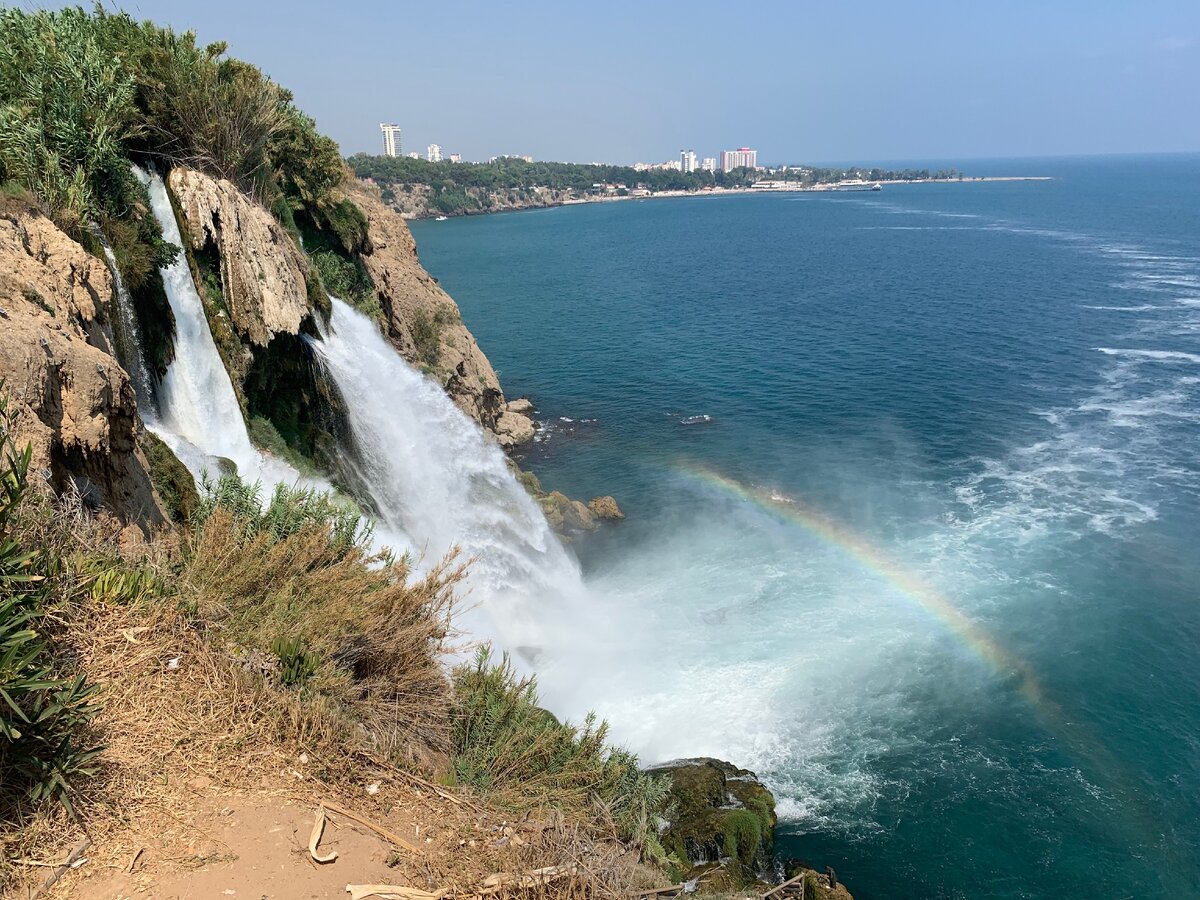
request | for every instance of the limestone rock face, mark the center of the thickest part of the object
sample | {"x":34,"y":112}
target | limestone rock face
{"x":264,"y":275}
{"x":424,"y":324}
{"x":74,"y":402}
{"x":605,"y":508}
{"x":722,"y":813}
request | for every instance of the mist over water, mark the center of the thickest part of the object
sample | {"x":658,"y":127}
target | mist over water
{"x":994,"y":392}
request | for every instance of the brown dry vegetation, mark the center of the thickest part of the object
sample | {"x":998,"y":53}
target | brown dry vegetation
{"x":200,"y":734}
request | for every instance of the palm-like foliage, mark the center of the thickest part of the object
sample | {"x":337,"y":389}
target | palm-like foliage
{"x":42,"y":714}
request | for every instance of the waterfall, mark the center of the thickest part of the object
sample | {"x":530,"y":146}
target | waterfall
{"x":129,"y":335}
{"x":433,"y":474}
{"x":199,"y":415}
{"x":437,"y":482}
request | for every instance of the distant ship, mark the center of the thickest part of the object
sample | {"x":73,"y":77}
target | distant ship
{"x":857,"y":185}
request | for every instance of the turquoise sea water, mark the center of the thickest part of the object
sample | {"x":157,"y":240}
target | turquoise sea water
{"x":933,"y":568}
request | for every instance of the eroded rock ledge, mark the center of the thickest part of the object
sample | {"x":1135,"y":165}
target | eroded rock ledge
{"x":264,"y":275}
{"x":75,"y":404}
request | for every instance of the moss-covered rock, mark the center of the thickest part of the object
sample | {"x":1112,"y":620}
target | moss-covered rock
{"x":721,"y":814}
{"x":172,"y":481}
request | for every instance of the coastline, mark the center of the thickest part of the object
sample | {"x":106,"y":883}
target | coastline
{"x":723,"y":192}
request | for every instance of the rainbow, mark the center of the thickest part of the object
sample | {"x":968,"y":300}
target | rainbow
{"x":1073,"y":734}
{"x":879,"y":565}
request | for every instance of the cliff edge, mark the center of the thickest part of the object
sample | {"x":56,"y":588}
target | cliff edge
{"x":73,"y":402}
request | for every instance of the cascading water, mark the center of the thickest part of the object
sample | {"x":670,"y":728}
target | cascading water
{"x":200,"y":418}
{"x":129,"y":335}
{"x":432,"y":474}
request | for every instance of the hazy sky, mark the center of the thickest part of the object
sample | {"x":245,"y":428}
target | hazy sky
{"x":802,"y":81}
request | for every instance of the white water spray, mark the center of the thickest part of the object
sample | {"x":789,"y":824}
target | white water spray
{"x":432,"y":474}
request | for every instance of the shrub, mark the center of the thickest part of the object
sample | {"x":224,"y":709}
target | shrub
{"x":347,"y":280}
{"x":427,"y":332}
{"x":42,"y":714}
{"x":508,"y":747}
{"x":65,"y":110}
{"x":349,"y":626}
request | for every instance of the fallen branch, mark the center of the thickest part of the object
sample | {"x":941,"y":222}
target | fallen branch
{"x":378,"y":829}
{"x":494,"y":884}
{"x":314,"y":839}
{"x":780,"y":887}
{"x":75,"y":856}
{"x":400,"y":773}
{"x":388,"y":892}
{"x":654,"y":892}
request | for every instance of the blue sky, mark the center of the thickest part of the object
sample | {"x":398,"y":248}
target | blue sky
{"x":801,"y":81}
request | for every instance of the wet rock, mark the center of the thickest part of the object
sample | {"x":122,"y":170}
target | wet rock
{"x":722,"y":814}
{"x":264,"y":275}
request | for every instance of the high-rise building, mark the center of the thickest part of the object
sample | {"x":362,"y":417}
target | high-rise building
{"x":709,"y":164}
{"x":433,"y":153}
{"x":391,"y":139}
{"x":742,"y":157}
{"x":687,"y":161}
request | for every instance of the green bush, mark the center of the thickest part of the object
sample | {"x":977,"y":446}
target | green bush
{"x":347,"y":280}
{"x":65,"y":110}
{"x":296,"y":665}
{"x":290,"y":511}
{"x":508,"y":747}
{"x":43,"y":715}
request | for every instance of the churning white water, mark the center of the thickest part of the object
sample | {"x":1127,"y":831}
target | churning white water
{"x":432,"y":474}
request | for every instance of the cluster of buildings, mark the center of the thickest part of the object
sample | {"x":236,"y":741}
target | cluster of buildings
{"x":434,"y":153}
{"x":688,"y":162}
{"x":393,"y":147}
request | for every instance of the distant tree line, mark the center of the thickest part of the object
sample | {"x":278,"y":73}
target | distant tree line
{"x":450,"y":181}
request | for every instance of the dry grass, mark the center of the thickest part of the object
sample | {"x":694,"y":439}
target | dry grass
{"x":379,"y":635}
{"x":188,"y":723}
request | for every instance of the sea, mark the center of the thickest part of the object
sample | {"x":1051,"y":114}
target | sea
{"x":912,"y":493}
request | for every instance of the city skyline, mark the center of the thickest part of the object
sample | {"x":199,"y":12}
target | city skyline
{"x":940,"y":83}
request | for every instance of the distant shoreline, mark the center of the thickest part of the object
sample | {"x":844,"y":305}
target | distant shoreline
{"x":807,"y":189}
{"x":728,"y":192}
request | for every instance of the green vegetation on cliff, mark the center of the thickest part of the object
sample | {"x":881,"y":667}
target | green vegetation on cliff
{"x":511,"y":749}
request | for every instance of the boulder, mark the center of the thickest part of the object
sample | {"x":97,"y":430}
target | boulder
{"x":605,"y":508}
{"x":264,"y":275}
{"x":721,"y":814}
{"x":522,"y":406}
{"x":513,"y":429}
{"x":73,"y":402}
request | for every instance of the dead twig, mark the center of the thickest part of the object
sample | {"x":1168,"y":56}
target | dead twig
{"x":378,"y":829}
{"x":74,"y":857}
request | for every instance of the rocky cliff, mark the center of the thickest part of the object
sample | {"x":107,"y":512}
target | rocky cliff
{"x":73,"y":401}
{"x":264,"y":275}
{"x":424,"y":324}
{"x":420,"y":201}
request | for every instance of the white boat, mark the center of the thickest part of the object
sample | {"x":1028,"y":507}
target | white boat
{"x":440,"y":219}
{"x":857,"y":184}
